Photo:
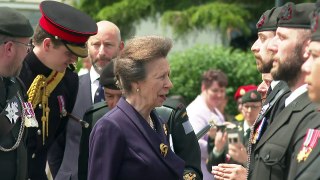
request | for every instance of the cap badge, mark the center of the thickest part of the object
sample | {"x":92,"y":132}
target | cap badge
{"x":286,"y":13}
{"x":253,"y":96}
{"x":314,"y":21}
{"x":261,"y":21}
{"x":242,"y":92}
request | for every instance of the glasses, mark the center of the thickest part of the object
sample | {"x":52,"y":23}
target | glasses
{"x":29,"y":45}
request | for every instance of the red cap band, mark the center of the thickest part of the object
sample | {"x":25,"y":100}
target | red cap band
{"x":55,"y":30}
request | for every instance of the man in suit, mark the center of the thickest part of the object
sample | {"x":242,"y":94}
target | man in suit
{"x":15,"y":33}
{"x":102,"y":48}
{"x":306,"y":164}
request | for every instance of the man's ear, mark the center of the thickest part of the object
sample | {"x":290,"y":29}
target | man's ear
{"x":305,"y":50}
{"x":8,"y":48}
{"x":203,"y":88}
{"x":121,"y":45}
{"x":46,"y":44}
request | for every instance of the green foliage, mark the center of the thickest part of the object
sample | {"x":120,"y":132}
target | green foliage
{"x":187,"y":68}
{"x":212,"y":15}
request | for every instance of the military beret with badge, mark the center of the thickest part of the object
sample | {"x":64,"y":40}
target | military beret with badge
{"x":251,"y":96}
{"x":295,"y":15}
{"x":67,"y":24}
{"x":268,"y":20}
{"x":315,"y":36}
{"x":14,"y":24}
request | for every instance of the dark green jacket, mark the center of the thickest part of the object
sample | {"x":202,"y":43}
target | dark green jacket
{"x":13,"y":164}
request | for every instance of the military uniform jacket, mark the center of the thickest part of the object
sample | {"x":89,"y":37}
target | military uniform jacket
{"x":13,"y":164}
{"x":270,"y":112}
{"x":184,"y":141}
{"x":123,"y":146}
{"x":308,"y":168}
{"x":67,"y":89}
{"x":274,"y":151}
{"x":92,"y":115}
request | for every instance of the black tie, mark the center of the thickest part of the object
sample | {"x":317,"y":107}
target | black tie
{"x":99,"y":95}
{"x":248,"y":131}
{"x":269,"y":91}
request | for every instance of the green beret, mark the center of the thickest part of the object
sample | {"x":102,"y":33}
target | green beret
{"x":107,"y":78}
{"x":295,"y":15}
{"x":315,"y":36}
{"x":268,"y":20}
{"x":14,"y":24}
{"x":251,"y":96}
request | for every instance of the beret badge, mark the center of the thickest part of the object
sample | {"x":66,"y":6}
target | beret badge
{"x":315,"y":21}
{"x":253,"y":95}
{"x":286,"y":13}
{"x":261,"y":21}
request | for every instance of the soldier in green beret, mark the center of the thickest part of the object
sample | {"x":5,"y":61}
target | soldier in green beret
{"x":15,"y":112}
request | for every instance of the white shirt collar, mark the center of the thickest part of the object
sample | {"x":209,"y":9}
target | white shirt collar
{"x":296,"y":93}
{"x":273,"y":84}
{"x":93,"y":75}
{"x":245,"y":127}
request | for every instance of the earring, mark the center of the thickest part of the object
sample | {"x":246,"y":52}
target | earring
{"x":137,"y":89}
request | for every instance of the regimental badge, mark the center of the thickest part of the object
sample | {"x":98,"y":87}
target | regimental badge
{"x":12,"y":110}
{"x":163,"y":149}
{"x":189,"y":176}
{"x":310,"y":141}
{"x":62,"y":106}
{"x":261,"y":21}
{"x":29,"y":116}
{"x":314,"y":21}
{"x":286,"y":12}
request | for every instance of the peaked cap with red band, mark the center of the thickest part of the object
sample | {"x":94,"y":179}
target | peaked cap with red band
{"x":68,"y":24}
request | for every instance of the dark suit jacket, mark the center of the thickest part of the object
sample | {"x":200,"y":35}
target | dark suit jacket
{"x":63,"y":158}
{"x":123,"y":146}
{"x":272,"y":154}
{"x":308,"y":169}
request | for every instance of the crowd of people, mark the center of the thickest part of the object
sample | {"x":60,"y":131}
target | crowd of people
{"x":116,"y":122}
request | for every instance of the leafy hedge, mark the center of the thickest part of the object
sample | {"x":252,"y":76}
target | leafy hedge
{"x":187,"y":68}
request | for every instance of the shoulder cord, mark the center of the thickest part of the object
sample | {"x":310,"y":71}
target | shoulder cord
{"x":17,"y":143}
{"x":39,"y":91}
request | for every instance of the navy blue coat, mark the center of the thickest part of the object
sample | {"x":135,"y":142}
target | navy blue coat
{"x":123,"y":146}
